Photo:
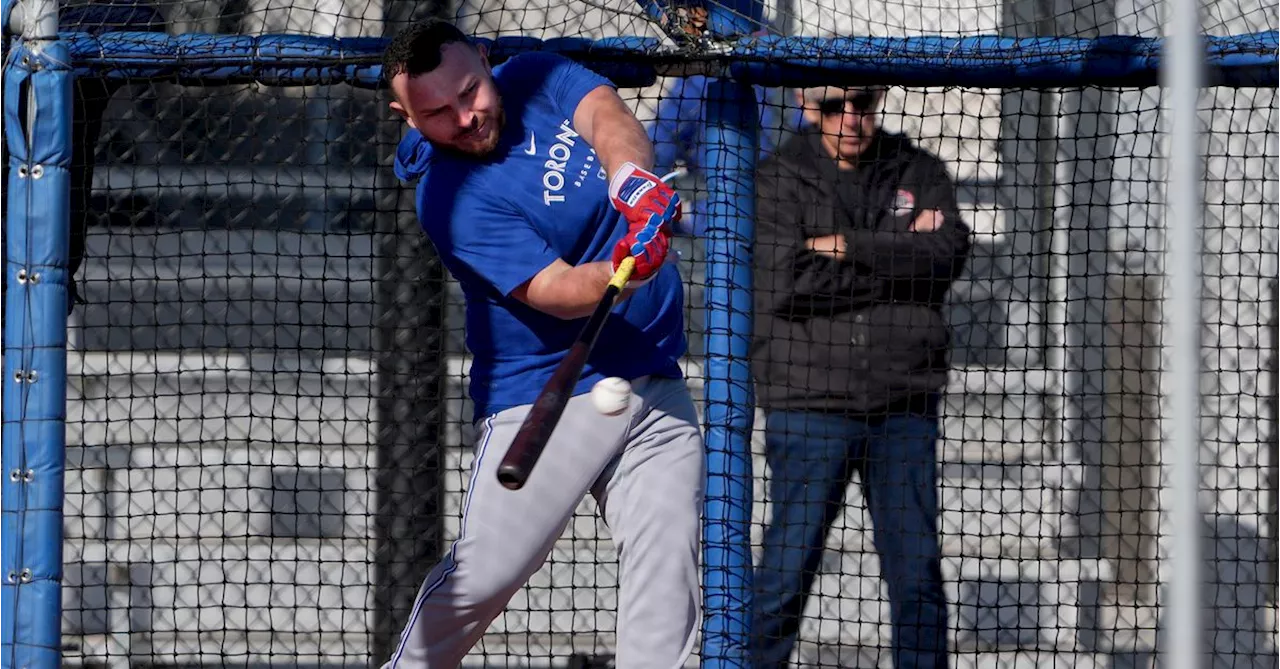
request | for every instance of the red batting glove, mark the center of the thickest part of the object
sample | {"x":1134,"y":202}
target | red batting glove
{"x":651,"y":208}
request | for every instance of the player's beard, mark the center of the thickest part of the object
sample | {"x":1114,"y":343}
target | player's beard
{"x":483,"y":146}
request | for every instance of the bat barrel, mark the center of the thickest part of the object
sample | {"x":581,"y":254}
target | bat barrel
{"x":526,"y":449}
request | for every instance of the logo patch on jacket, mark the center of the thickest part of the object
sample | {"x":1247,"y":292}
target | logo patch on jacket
{"x":903,"y":203}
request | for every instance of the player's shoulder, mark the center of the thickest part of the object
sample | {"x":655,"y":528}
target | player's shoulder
{"x":539,"y":73}
{"x":530,"y":63}
{"x":450,"y":187}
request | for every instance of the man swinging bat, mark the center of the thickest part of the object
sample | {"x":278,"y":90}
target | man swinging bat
{"x":533,"y":186}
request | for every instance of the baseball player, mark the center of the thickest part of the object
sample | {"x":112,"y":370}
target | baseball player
{"x":533,"y":184}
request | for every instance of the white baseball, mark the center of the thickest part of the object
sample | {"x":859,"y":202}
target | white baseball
{"x":611,"y":396}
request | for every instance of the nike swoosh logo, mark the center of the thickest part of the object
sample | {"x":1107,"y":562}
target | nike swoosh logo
{"x":533,"y":149}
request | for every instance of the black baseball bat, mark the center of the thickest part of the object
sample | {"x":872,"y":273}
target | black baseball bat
{"x":536,"y":430}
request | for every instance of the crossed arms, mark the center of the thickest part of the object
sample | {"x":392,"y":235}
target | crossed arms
{"x":801,"y":275}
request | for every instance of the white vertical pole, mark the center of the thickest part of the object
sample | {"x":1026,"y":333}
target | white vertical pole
{"x":1181,"y":72}
{"x":40,"y":20}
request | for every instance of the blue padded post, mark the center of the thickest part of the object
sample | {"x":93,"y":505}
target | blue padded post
{"x":37,"y":110}
{"x":731,"y":147}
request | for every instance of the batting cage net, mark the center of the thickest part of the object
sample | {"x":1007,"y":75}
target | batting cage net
{"x":925,"y":298}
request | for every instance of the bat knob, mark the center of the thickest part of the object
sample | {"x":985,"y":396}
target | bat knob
{"x":511,"y":477}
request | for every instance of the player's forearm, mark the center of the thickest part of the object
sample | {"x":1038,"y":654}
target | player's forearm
{"x":628,"y":145}
{"x":619,"y":138}
{"x":573,"y":292}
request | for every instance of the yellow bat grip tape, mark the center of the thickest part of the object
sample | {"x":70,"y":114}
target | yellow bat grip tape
{"x":623,"y":273}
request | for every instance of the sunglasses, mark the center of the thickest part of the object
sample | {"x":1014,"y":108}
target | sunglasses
{"x":862,"y":103}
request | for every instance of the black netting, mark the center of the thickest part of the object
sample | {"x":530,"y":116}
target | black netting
{"x":269,"y":434}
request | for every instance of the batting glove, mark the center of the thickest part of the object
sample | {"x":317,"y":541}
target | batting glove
{"x":651,"y":208}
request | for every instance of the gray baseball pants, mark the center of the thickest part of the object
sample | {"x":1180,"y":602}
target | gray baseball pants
{"x":645,"y":468}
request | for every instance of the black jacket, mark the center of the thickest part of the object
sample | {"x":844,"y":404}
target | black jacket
{"x":865,"y":334}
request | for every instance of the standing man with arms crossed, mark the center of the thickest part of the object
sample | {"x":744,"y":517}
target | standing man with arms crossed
{"x":858,"y":240}
{"x":533,"y":185}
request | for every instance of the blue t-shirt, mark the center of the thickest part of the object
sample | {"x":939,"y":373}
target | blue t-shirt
{"x":496,"y":222}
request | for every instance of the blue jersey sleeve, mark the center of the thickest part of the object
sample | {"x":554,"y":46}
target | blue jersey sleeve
{"x":488,"y":236}
{"x":560,"y":79}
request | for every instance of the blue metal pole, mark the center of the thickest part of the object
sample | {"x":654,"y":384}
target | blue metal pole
{"x":730,"y":151}
{"x":37,"y":109}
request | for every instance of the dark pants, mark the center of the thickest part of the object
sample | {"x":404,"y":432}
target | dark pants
{"x":812,"y":457}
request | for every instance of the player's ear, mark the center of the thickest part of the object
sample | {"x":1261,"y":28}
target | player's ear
{"x":484,"y":56}
{"x":404,"y":113}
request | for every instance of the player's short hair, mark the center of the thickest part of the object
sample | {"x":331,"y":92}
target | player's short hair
{"x":416,"y":49}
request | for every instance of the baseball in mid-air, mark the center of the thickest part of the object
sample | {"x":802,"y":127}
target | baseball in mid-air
{"x":611,"y":396}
